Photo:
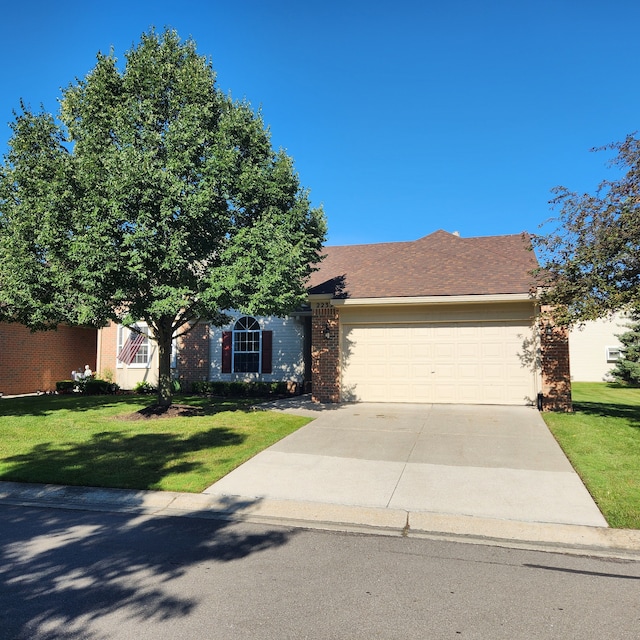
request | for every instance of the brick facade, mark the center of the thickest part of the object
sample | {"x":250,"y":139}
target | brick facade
{"x":107,"y":350}
{"x":193,"y":355}
{"x":325,"y":353}
{"x":556,"y":375}
{"x":36,"y":361}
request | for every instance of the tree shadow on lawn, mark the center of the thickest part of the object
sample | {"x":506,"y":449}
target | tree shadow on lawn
{"x":117,"y":459}
{"x":47,"y":404}
{"x":62,"y":572}
{"x":629,"y":412}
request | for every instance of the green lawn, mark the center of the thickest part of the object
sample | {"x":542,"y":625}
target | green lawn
{"x":602,"y":441}
{"x":85,"y":441}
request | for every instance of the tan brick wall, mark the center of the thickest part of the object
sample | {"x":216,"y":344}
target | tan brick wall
{"x":107,"y":350}
{"x":325,"y":354}
{"x":556,"y":374}
{"x":36,"y":361}
{"x":193,"y":356}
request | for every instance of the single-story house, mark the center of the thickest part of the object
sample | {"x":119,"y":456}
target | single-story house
{"x":35,"y":361}
{"x":442,"y":319}
{"x":594,"y":348}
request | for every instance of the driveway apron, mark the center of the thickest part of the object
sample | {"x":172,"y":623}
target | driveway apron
{"x":485,"y":461}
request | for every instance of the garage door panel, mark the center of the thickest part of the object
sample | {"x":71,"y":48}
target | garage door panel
{"x":455,"y":362}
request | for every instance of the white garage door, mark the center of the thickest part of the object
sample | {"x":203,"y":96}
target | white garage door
{"x":472,"y":363}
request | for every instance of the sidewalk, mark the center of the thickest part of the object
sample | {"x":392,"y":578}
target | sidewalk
{"x":483,"y":475}
{"x":572,"y":539}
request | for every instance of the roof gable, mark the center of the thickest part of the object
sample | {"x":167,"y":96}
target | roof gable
{"x":439,"y":264}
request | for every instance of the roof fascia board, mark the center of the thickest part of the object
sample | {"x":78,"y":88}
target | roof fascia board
{"x":413,"y":300}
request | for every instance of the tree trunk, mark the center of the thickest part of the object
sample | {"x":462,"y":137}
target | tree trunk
{"x":165,"y":383}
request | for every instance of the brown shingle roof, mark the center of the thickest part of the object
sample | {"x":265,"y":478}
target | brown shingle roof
{"x":440,"y":264}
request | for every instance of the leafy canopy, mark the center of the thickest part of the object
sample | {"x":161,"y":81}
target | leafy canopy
{"x":591,"y":261}
{"x":151,"y":196}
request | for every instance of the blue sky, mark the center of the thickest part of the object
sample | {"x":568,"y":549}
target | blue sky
{"x":402,"y":117}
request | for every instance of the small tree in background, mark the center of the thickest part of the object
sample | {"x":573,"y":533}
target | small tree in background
{"x":627,"y":369}
{"x":152,"y":197}
{"x":590,"y":262}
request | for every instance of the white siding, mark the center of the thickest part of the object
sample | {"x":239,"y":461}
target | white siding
{"x":288,"y":347}
{"x":588,"y":348}
{"x":127,"y":376}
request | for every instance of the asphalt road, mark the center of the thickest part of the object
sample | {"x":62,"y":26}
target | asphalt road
{"x":92,"y":575}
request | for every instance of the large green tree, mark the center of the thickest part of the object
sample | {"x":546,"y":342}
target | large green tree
{"x":150,"y":196}
{"x":591,"y":258}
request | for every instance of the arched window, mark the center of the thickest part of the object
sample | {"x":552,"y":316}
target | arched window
{"x":246,"y":345}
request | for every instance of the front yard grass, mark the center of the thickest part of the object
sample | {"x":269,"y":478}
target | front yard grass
{"x":602,"y":441}
{"x":86,"y":441}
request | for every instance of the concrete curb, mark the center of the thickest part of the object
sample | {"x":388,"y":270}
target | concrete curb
{"x":573,"y":539}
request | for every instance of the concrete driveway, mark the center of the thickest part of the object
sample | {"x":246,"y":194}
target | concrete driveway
{"x":485,"y":461}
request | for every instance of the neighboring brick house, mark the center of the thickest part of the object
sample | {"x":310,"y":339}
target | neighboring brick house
{"x":34,"y":362}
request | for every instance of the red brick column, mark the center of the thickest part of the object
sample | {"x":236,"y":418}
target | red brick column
{"x":556,"y":375}
{"x":193,"y":355}
{"x":325,"y":353}
{"x":108,"y":350}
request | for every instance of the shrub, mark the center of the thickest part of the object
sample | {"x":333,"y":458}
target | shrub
{"x":65,"y":386}
{"x":237,"y":389}
{"x":88,"y":386}
{"x":92,"y":387}
{"x":144,"y":387}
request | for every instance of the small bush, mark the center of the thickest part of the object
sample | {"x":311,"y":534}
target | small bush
{"x":92,"y":387}
{"x":144,"y":388}
{"x":238,"y":389}
{"x":87,"y":386}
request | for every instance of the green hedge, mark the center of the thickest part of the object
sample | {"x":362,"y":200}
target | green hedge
{"x":65,"y":386}
{"x":243,"y":389}
{"x":90,"y":387}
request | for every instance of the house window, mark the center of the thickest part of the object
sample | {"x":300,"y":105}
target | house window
{"x":613,"y":354}
{"x":133,"y":346}
{"x":246,"y":346}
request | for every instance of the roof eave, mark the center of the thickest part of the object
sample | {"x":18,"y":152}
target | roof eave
{"x":413,"y":300}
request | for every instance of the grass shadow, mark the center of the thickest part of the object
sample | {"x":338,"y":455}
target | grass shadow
{"x":118,"y":459}
{"x":628,"y":412}
{"x":46,"y":404}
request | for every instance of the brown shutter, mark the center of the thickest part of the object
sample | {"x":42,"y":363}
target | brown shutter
{"x":227,"y":337}
{"x":267,"y":350}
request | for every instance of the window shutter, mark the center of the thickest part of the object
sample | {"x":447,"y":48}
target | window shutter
{"x":267,"y":349}
{"x":227,"y":337}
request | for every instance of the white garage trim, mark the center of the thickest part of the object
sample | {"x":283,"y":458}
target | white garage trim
{"x":421,"y":300}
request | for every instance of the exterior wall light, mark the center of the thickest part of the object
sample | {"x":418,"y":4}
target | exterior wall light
{"x":326,"y":331}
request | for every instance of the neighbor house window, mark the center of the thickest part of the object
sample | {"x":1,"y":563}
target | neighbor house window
{"x":133,"y":346}
{"x":613,"y":354}
{"x":247,"y":348}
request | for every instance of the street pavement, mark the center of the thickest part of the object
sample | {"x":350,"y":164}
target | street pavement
{"x":487,"y":474}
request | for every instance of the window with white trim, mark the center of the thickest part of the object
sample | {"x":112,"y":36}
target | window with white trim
{"x":140,"y":355}
{"x":613,"y":354}
{"x":246,"y":345}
